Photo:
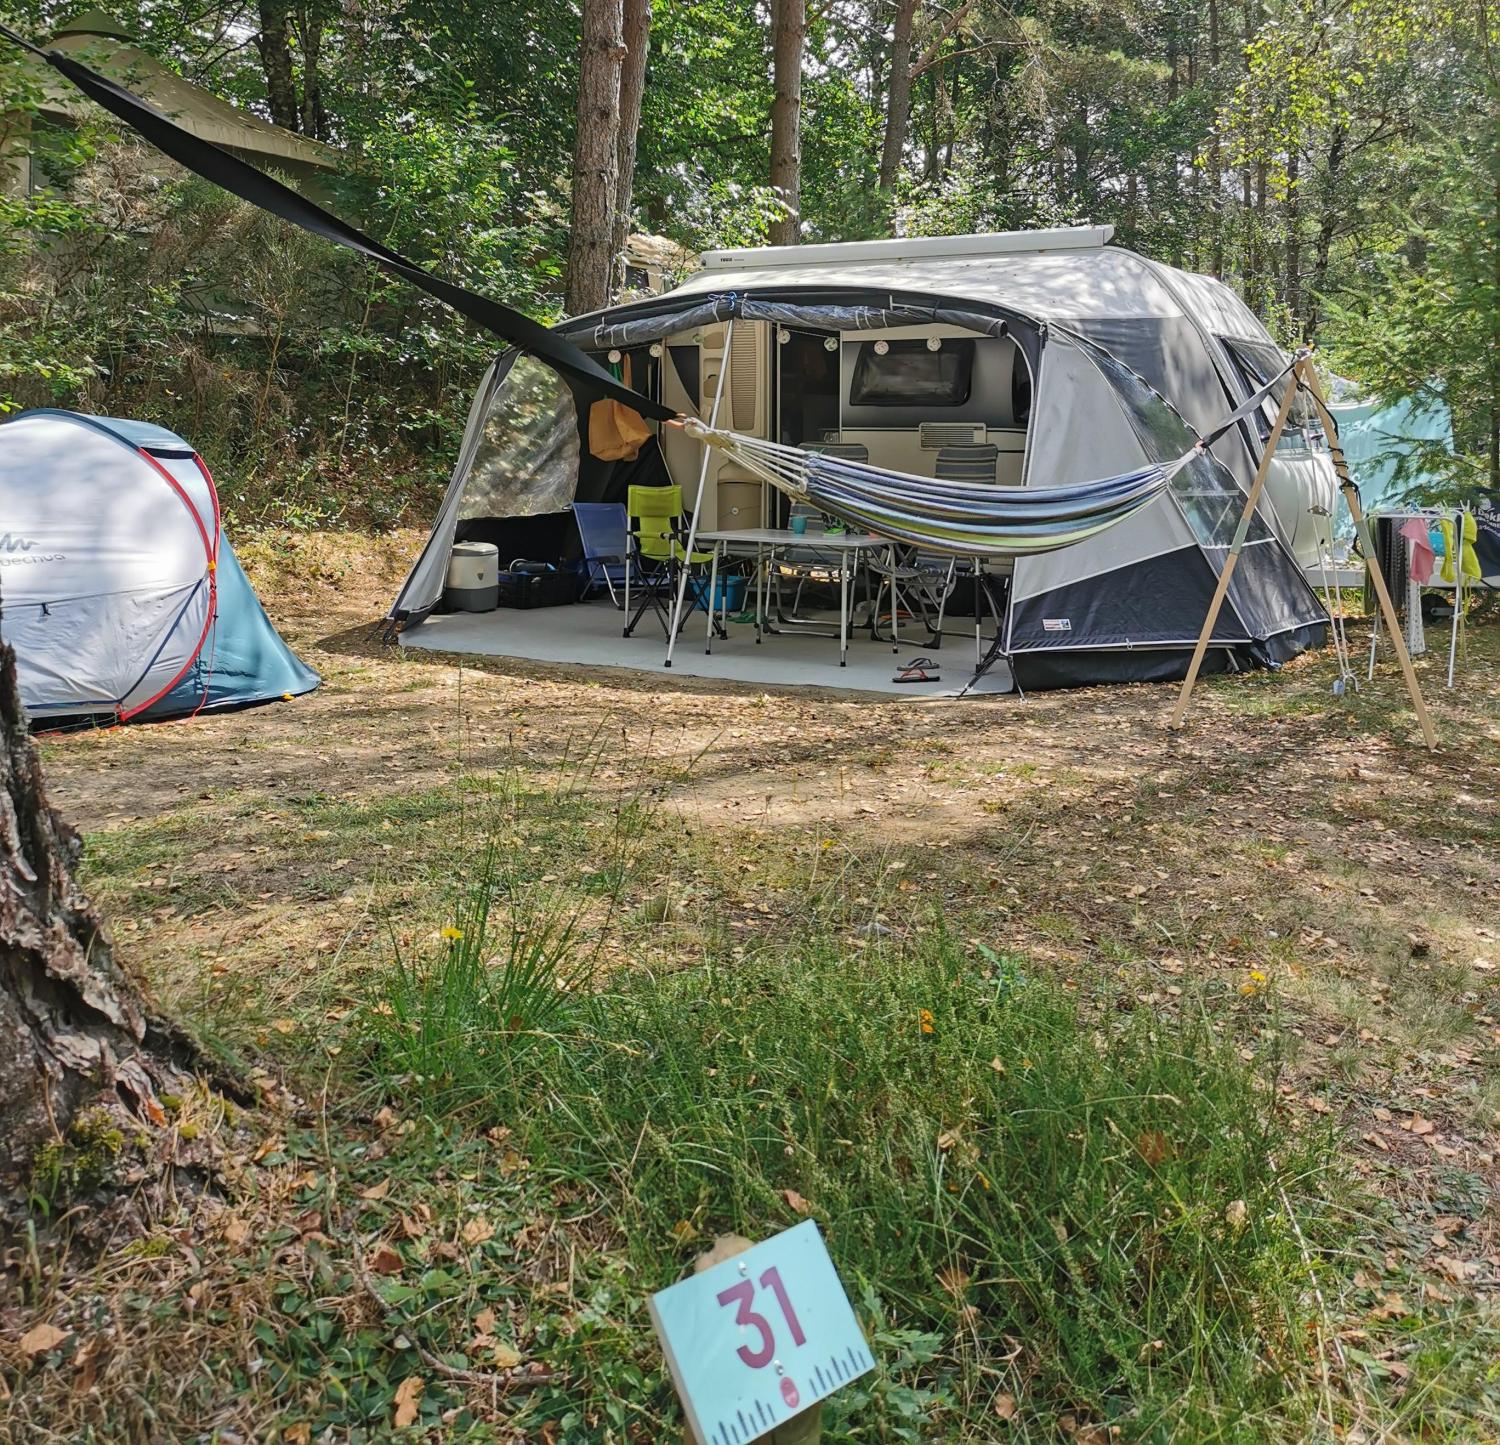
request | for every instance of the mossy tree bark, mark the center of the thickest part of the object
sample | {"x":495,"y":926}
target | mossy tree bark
{"x":75,"y":1029}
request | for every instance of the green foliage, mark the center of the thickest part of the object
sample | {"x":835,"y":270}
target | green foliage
{"x":1287,"y":147}
{"x":1429,"y":329}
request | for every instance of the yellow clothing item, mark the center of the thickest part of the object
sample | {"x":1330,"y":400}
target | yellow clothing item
{"x":1468,"y":559}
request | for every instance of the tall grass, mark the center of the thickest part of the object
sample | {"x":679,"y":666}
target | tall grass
{"x":518,"y":952}
{"x":1085,"y":1212}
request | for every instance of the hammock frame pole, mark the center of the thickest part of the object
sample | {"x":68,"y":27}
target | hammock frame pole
{"x":687,"y":560}
{"x":1226,"y":573}
{"x":1350,"y":491}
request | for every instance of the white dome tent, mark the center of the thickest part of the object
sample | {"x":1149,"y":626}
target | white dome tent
{"x":120,"y":594}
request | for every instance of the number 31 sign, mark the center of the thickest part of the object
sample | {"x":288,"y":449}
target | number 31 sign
{"x":759,"y":1337}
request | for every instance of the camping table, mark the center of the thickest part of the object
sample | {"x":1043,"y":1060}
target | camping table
{"x":763,"y":543}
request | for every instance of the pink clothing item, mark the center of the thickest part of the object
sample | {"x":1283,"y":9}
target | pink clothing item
{"x":1414,"y":529}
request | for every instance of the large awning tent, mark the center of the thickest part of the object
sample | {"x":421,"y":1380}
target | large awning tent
{"x":122,"y":597}
{"x":1078,"y":360}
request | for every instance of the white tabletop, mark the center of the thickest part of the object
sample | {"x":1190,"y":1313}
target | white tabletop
{"x":785,"y":537}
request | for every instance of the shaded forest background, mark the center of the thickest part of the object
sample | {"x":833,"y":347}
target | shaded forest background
{"x":1336,"y":161}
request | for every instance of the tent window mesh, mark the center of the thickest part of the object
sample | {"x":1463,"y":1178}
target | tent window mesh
{"x":1257,"y":362}
{"x":526,"y":463}
{"x":1206,"y":492}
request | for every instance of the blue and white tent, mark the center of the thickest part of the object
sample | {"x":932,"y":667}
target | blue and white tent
{"x":118,"y":590}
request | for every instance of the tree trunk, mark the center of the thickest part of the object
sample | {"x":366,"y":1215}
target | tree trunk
{"x":1215,"y":155}
{"x":637,"y":37}
{"x":74,"y":1028}
{"x":275,"y":45}
{"x":788,"y":37}
{"x":1292,"y":282}
{"x":314,"y":117}
{"x":596,"y":161}
{"x":898,"y":95}
{"x":1327,"y":225}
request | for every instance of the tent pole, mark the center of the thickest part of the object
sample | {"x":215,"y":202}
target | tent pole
{"x":1362,"y":532}
{"x":1226,"y":574}
{"x":1458,"y":590}
{"x":687,"y":561}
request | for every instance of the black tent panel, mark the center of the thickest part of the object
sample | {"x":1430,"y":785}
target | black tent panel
{"x":1271,"y":593}
{"x":1159,"y":600}
{"x":1085,"y":667}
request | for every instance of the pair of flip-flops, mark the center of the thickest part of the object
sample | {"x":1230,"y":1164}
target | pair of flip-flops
{"x":919,"y":669}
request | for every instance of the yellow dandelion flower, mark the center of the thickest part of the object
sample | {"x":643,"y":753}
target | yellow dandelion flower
{"x":924,"y":1018}
{"x":452,"y":934}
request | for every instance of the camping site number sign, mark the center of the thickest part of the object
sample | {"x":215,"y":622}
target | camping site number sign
{"x":759,"y":1337}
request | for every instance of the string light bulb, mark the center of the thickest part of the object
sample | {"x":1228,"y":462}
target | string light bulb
{"x":614,"y":353}
{"x":881,"y":347}
{"x":830,"y":343}
{"x":934,"y":343}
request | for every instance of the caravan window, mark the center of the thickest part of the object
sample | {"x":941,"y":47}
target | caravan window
{"x":908,"y":374}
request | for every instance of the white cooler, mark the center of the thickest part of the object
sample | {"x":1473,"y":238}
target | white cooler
{"x":473,"y":578}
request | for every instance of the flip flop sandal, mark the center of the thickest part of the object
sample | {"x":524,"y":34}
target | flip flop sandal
{"x":916,"y":671}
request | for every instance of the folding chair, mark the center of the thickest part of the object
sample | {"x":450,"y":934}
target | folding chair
{"x":604,"y":532}
{"x":926,"y":579}
{"x":657,"y":553}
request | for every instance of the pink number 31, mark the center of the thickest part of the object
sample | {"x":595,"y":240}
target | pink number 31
{"x":743,"y":1295}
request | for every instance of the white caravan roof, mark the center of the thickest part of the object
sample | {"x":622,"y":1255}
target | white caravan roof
{"x":1066,"y":274}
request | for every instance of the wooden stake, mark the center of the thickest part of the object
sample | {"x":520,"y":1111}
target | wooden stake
{"x":1240,"y":533}
{"x":1362,"y":531}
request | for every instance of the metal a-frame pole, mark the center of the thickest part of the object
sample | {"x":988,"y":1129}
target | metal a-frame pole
{"x":687,"y":561}
{"x":1226,"y":573}
{"x":1309,"y":377}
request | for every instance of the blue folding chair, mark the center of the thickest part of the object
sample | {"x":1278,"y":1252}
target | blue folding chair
{"x":604,"y":532}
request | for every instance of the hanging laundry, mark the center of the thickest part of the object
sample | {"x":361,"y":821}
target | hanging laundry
{"x":1414,"y":529}
{"x":1459,"y":542}
{"x":1469,"y":559}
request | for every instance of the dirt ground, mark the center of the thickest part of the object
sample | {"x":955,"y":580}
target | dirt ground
{"x":1292,"y":846}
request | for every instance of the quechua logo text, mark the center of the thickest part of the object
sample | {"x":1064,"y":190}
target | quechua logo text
{"x":19,"y":551}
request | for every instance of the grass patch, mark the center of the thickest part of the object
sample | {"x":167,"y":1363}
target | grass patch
{"x":1083,"y":1215}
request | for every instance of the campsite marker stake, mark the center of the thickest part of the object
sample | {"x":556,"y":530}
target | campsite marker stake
{"x":1362,"y":531}
{"x":687,"y":561}
{"x":1226,"y":573}
{"x":757,"y":1338}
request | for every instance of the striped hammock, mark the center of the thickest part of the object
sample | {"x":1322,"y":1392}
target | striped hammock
{"x":965,"y":519}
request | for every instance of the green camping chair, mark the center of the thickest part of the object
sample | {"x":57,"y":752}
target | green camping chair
{"x":657,"y":536}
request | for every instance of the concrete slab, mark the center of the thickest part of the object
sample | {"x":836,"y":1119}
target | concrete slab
{"x":589,"y":635}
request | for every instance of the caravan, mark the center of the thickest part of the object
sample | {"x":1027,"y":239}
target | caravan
{"x":1023,"y":360}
